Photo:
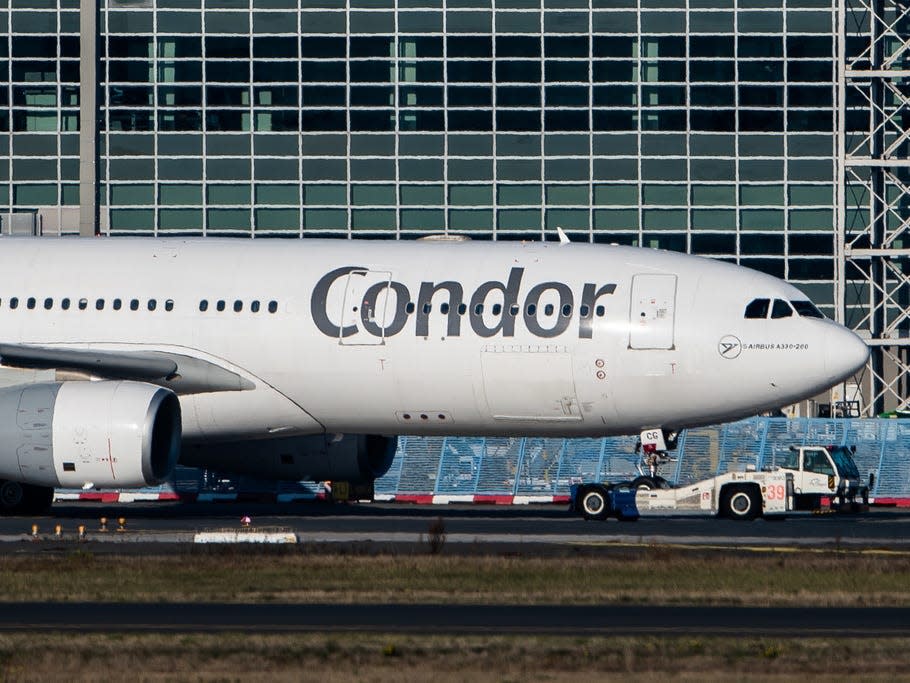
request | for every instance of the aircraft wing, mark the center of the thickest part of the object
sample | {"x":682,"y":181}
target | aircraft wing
{"x":180,"y":373}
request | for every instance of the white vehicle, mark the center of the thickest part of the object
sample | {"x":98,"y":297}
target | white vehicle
{"x":296,"y":360}
{"x":736,"y":495}
{"x":825,"y":472}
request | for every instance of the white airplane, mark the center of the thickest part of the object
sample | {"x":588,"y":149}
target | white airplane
{"x":300,"y":360}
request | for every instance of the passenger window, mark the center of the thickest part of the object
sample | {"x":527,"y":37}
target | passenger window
{"x":99,"y":305}
{"x":584,"y":310}
{"x":117,"y":304}
{"x":478,"y":309}
{"x":566,"y":310}
{"x":497,"y":309}
{"x":30,"y":303}
{"x":532,"y":309}
{"x":238,"y":306}
{"x":548,"y":309}
{"x":409,"y":308}
{"x":462,"y":309}
{"x":14,"y":302}
{"x":807,"y":309}
{"x":758,"y":308}
{"x":134,"y":304}
{"x":816,"y":461}
{"x":781,"y":309}
{"x":48,"y":304}
{"x":152,"y":304}
{"x":601,"y":311}
{"x":427,"y":308}
{"x":273,"y":306}
{"x":444,"y":308}
{"x":83,"y":304}
{"x":203,"y":305}
{"x":169,"y":305}
{"x":220,"y":305}
{"x":65,"y":304}
{"x":254,"y":307}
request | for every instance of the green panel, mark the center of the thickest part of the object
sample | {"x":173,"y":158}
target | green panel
{"x":714,"y":195}
{"x":128,"y":195}
{"x":34,"y":195}
{"x":180,"y":219}
{"x":70,"y":195}
{"x":716,"y":219}
{"x":665,"y":195}
{"x":519,"y":195}
{"x":762,"y":219}
{"x":470,"y":220}
{"x":325,"y":219}
{"x":471,"y":195}
{"x":761,"y":195}
{"x":617,"y":195}
{"x":811,"y":219}
{"x":278,"y":194}
{"x":567,"y":218}
{"x":811,"y":195}
{"x":228,"y":219}
{"x":373,"y":195}
{"x":316,"y":195}
{"x":373,"y":219}
{"x":180,"y":194}
{"x":422,"y":195}
{"x":278,"y":219}
{"x":655,"y":219}
{"x":132,"y":219}
{"x":228,"y":194}
{"x":616,"y":219}
{"x":571,"y":195}
{"x":519,"y":219}
{"x":426,"y":219}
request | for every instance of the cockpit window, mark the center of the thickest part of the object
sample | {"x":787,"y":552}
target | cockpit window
{"x":807,"y":309}
{"x":781,"y":309}
{"x":758,"y":308}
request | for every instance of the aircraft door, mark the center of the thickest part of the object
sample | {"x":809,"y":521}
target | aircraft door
{"x":368,"y":305}
{"x":652,"y":311}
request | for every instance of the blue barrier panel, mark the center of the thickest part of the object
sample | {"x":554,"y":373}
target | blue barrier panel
{"x":507,"y":466}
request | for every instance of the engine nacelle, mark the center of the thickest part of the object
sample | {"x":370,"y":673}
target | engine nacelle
{"x":107,"y":434}
{"x":352,"y":457}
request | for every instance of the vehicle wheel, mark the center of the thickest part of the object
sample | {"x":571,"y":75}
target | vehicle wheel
{"x":594,"y":504}
{"x":647,"y":483}
{"x":740,"y":502}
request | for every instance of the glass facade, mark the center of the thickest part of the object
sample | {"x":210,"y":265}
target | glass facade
{"x":699,"y":125}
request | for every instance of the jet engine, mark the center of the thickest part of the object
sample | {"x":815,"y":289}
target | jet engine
{"x":74,"y":434}
{"x":349,"y":457}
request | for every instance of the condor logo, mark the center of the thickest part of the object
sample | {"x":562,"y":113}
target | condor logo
{"x":485,"y":321}
{"x":729,"y":346}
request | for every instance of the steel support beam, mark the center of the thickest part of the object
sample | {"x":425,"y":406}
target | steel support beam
{"x":88,"y":118}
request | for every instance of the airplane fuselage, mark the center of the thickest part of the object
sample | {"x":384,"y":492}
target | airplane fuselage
{"x":467,"y":338}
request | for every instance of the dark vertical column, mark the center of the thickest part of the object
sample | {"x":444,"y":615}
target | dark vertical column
{"x":879,"y":219}
{"x":88,"y":118}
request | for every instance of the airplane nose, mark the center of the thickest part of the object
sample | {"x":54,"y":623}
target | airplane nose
{"x":845,"y":353}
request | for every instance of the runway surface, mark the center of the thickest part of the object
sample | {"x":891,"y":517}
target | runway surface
{"x":466,"y":527}
{"x":458,"y":619}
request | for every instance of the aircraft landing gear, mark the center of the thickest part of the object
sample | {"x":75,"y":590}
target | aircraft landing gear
{"x":654,"y":446}
{"x":17,"y":498}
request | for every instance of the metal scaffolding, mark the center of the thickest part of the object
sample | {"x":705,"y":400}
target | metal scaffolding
{"x":873,"y":216}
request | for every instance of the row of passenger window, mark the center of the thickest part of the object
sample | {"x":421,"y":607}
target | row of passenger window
{"x":496,"y":309}
{"x":134,"y":304}
{"x":221,"y":305}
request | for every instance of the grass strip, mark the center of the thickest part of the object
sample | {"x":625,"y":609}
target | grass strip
{"x":652,"y":575}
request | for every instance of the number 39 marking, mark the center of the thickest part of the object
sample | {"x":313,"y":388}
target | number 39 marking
{"x":776,"y":492}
